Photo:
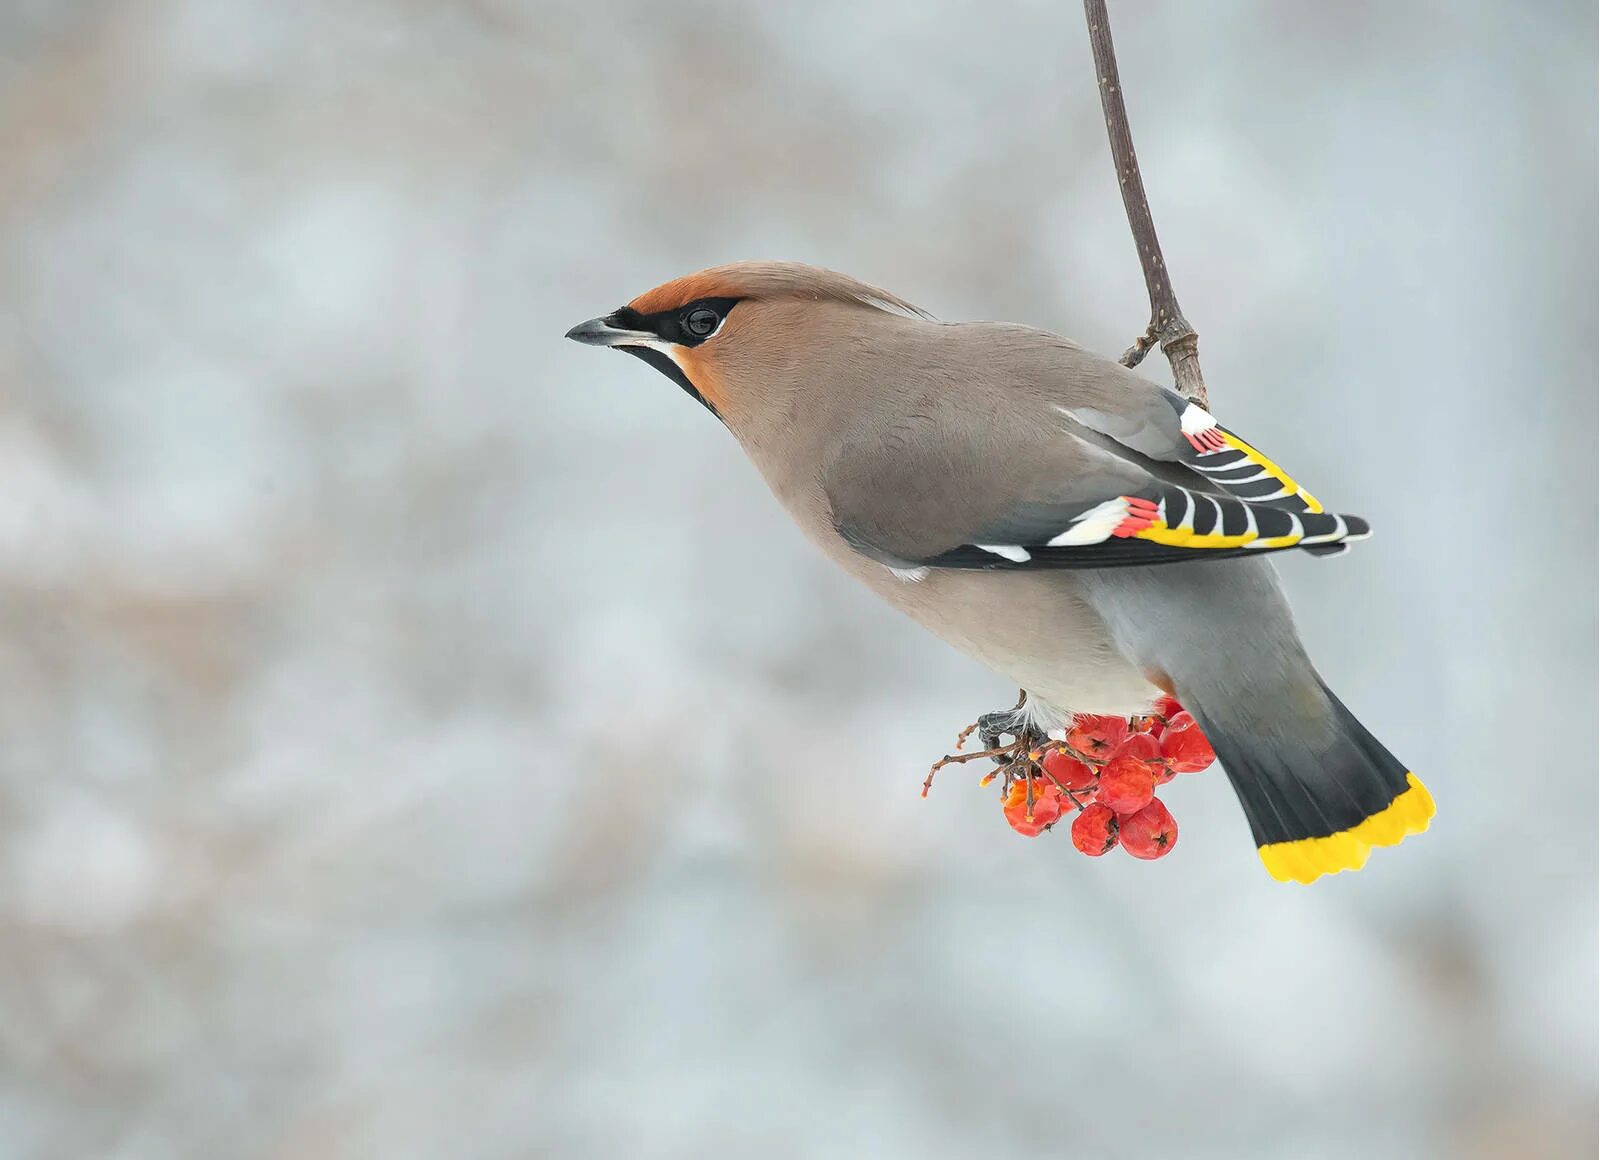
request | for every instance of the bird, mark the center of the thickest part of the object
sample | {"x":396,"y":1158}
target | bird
{"x":1092,"y":535}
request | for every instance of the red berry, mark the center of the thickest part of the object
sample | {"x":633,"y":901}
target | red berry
{"x":1145,"y":747}
{"x":1068,"y":771}
{"x":1126,"y":783}
{"x":1094,"y":831}
{"x":1140,"y":745}
{"x":1186,"y":746}
{"x":1045,"y":810}
{"x":1096,"y":736}
{"x":1149,"y":833}
{"x":1161,"y":713}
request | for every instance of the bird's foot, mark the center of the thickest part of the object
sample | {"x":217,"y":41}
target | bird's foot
{"x":992,"y":727}
{"x":1018,"y":757}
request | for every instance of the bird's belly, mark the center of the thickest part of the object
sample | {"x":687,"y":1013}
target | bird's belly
{"x":1033,"y":628}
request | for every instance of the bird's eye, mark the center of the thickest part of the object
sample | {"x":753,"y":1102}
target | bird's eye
{"x":701,"y":321}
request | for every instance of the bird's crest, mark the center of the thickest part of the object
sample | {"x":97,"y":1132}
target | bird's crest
{"x":746,"y":280}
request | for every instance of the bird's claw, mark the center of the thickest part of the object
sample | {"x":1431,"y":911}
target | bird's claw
{"x":1013,"y":759}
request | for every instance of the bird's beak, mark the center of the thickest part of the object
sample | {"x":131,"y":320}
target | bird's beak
{"x":607,"y":332}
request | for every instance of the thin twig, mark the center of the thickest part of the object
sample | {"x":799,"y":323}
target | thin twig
{"x":1072,"y":795}
{"x":1167,"y":323}
{"x":963,"y":758}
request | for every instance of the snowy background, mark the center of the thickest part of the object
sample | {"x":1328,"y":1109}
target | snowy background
{"x":421,"y":736}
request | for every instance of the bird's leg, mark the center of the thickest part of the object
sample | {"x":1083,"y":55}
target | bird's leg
{"x":1001,"y":723}
{"x":990,"y":727}
{"x":1021,"y":757}
{"x":1012,"y":759}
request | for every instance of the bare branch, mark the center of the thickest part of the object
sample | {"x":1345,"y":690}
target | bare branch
{"x":1168,"y":326}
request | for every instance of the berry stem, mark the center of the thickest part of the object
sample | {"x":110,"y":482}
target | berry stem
{"x":1071,"y":794}
{"x":963,"y":758}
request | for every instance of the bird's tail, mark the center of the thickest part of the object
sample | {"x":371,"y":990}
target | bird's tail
{"x":1319,"y":790}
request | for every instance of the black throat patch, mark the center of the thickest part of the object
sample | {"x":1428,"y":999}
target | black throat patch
{"x":663,"y":362}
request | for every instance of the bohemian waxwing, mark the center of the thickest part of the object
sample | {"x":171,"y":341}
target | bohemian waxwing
{"x":1094,"y":537}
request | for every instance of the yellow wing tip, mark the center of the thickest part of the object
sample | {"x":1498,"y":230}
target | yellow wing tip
{"x":1273,"y":470}
{"x":1308,"y":859}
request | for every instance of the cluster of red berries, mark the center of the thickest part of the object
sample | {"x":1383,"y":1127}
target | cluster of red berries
{"x":1108,"y":770}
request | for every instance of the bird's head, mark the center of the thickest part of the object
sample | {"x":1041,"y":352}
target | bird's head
{"x":725,"y":333}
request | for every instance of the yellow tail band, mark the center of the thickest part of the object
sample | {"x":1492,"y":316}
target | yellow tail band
{"x":1308,"y":859}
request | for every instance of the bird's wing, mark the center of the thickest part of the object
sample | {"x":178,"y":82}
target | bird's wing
{"x":1159,"y":424}
{"x":942,"y":489}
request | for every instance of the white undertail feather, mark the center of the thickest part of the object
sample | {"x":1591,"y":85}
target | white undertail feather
{"x":1045,"y":717}
{"x":910,"y":575}
{"x":1053,"y":720}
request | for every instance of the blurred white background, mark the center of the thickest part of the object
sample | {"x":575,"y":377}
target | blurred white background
{"x":421,"y":736}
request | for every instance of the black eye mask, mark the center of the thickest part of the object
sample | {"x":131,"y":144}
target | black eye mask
{"x":688,"y":325}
